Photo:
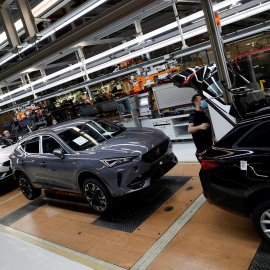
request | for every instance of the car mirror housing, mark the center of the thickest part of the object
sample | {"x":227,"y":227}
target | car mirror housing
{"x":59,"y":152}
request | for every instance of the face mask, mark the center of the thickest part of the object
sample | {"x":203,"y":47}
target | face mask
{"x":203,"y":104}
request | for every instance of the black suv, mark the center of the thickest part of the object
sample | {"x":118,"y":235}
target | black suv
{"x":235,"y":172}
{"x":97,"y":159}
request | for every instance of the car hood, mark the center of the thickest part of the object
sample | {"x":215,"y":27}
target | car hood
{"x":5,"y":152}
{"x":133,"y":141}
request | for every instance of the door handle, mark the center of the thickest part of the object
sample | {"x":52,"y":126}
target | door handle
{"x":43,"y":164}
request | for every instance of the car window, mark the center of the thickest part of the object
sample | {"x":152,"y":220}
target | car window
{"x":93,"y":132}
{"x":257,"y":137}
{"x":77,"y":139}
{"x":108,"y":128}
{"x":4,"y":143}
{"x":22,"y":145}
{"x":101,"y":130}
{"x":32,"y":145}
{"x":49,"y":144}
{"x":90,"y":134}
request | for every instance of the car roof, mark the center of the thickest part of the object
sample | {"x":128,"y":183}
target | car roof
{"x":256,"y":118}
{"x":58,"y":128}
{"x":259,"y":114}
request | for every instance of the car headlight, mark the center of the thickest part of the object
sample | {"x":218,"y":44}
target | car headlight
{"x":115,"y":161}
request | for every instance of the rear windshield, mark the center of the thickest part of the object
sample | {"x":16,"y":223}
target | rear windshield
{"x":257,"y":137}
{"x":90,"y":134}
{"x":233,"y":136}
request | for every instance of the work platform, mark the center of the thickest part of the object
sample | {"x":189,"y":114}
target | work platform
{"x":168,"y":226}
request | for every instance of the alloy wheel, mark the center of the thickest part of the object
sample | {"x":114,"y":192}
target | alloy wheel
{"x":95,"y":197}
{"x":26,"y":188}
{"x":265,"y":222}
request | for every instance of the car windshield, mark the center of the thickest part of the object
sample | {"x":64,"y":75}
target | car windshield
{"x":90,"y":134}
{"x":4,"y":143}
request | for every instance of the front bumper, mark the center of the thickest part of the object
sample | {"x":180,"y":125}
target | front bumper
{"x":156,"y":170}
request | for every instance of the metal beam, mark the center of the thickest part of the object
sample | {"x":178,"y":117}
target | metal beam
{"x":9,"y":27}
{"x":217,"y":48}
{"x":27,"y":17}
{"x":10,"y":84}
{"x":6,"y":2}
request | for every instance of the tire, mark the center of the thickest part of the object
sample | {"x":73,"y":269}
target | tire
{"x":261,"y":220}
{"x":97,"y":196}
{"x":27,"y":189}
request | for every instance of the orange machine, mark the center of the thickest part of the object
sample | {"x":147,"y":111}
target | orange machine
{"x":21,"y":115}
{"x":140,"y":82}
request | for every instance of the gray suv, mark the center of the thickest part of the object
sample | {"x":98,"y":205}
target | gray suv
{"x":92,"y":158}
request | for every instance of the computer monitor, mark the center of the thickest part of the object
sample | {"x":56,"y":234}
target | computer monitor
{"x":144,"y":101}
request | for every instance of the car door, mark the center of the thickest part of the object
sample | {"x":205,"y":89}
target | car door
{"x":30,"y":162}
{"x":258,"y":143}
{"x":59,"y":173}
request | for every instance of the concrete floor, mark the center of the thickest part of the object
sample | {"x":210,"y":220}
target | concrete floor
{"x":193,"y":235}
{"x":185,"y":151}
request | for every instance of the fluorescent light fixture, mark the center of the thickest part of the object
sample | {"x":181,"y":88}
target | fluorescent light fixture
{"x":27,"y":47}
{"x":7,"y":59}
{"x":245,"y":14}
{"x":48,"y":34}
{"x":80,"y":14}
{"x":43,"y":6}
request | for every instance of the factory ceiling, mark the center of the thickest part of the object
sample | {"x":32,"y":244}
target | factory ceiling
{"x":80,"y":41}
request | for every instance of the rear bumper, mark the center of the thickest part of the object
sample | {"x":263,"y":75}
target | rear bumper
{"x":225,"y":194}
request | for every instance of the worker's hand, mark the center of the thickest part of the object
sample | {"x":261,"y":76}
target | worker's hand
{"x":204,"y":126}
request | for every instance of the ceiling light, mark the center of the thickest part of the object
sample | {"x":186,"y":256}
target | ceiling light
{"x":80,"y":14}
{"x":246,"y":13}
{"x":43,"y":6}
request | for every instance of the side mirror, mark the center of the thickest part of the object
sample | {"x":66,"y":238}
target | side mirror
{"x":59,"y":152}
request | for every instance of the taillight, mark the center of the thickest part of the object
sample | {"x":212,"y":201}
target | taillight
{"x":208,"y":164}
{"x":10,"y":157}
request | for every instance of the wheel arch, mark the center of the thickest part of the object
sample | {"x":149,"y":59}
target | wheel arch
{"x":88,"y":174}
{"x":256,"y":198}
{"x":17,"y":173}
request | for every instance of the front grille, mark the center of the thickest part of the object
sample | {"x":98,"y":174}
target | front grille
{"x":155,"y":153}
